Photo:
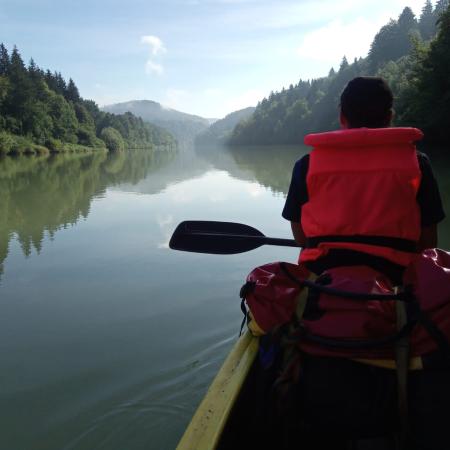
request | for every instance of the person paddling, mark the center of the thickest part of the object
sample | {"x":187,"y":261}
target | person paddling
{"x":364,"y":197}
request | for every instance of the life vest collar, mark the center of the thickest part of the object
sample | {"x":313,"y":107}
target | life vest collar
{"x":364,"y":137}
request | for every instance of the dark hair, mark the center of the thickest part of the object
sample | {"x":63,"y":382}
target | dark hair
{"x":367,"y":102}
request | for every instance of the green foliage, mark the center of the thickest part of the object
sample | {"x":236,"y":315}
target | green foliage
{"x":6,"y":142}
{"x":427,"y":23}
{"x":416,"y":68}
{"x":428,"y":100}
{"x":54,"y":145}
{"x":440,"y":8}
{"x":393,"y":40}
{"x":39,"y":108}
{"x":112,"y":138}
{"x":220,"y":131}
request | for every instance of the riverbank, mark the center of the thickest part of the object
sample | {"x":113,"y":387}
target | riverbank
{"x":14,"y":145}
{"x":11,"y":144}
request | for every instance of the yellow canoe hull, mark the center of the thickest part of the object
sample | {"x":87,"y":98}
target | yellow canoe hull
{"x":206,"y":427}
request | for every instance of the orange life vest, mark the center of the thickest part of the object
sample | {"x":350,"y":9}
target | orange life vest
{"x":362,"y":185}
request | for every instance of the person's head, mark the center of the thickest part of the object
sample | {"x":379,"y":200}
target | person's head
{"x":366,"y":102}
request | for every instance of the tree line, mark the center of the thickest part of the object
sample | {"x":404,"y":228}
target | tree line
{"x":412,"y":54}
{"x":40,"y":112}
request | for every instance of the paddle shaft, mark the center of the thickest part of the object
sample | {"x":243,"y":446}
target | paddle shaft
{"x":262,"y":239}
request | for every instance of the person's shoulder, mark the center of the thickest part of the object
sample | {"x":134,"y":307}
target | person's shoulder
{"x":424,"y":162}
{"x":301,"y":165}
{"x":422,"y":157}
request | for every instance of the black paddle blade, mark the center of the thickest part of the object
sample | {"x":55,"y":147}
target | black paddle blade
{"x":220,"y":238}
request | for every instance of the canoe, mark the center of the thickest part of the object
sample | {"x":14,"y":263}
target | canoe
{"x":232,"y":414}
{"x":208,"y":427}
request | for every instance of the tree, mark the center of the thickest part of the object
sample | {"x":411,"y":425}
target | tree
{"x":71,"y":92}
{"x":344,"y":64}
{"x":407,"y":27}
{"x":440,"y":8}
{"x":429,"y":99}
{"x":4,"y":60}
{"x":65,"y":124}
{"x":427,"y":21}
{"x":4,"y":87}
{"x":19,"y":93}
{"x":112,"y":138}
{"x":383,"y":47}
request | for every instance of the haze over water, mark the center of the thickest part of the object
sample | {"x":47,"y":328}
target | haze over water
{"x":109,"y":339}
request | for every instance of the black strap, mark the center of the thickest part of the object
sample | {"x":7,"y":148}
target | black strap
{"x":246,"y":316}
{"x":404,"y":245}
{"x":357,"y":344}
{"x":433,"y":330}
{"x":338,"y":293}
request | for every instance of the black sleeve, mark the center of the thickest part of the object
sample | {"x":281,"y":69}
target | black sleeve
{"x":428,"y":196}
{"x":298,"y":193}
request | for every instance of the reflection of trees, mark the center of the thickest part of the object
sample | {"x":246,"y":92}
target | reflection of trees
{"x":270,"y":166}
{"x":46,"y":193}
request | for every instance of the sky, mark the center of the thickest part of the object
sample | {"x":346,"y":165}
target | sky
{"x":204,"y":57}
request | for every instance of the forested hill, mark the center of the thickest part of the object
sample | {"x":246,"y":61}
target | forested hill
{"x":41,"y":112}
{"x":220,"y":131}
{"x":412,"y":54}
{"x":181,"y":125}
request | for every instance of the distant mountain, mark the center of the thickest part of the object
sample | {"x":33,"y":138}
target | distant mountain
{"x":220,"y":130}
{"x":184,"y":127}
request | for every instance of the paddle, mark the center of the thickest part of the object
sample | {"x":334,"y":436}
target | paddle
{"x":221,"y":238}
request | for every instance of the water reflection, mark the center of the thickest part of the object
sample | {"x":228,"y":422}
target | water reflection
{"x":270,"y":167}
{"x":41,"y":194}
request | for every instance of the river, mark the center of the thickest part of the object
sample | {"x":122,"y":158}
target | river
{"x":108,"y":338}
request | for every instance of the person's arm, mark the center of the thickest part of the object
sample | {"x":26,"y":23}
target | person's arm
{"x":430,"y":204}
{"x":296,"y":197}
{"x":298,"y":233}
{"x":428,"y":238}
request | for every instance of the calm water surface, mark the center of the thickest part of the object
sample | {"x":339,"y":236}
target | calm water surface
{"x":108,"y":338}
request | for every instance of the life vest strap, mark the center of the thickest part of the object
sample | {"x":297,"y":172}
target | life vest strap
{"x":404,"y":245}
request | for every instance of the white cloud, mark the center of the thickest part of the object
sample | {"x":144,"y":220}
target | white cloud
{"x":156,"y":48}
{"x":331,"y":42}
{"x":156,"y":45}
{"x":152,"y":67}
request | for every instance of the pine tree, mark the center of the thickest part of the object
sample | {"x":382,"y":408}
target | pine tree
{"x":60,"y":83}
{"x":427,"y":21}
{"x":20,"y":90}
{"x":71,"y":93}
{"x":407,"y":26}
{"x":4,"y":60}
{"x":383,"y":47}
{"x":440,"y":8}
{"x":33,"y":69}
{"x":344,"y":64}
{"x":428,"y":100}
